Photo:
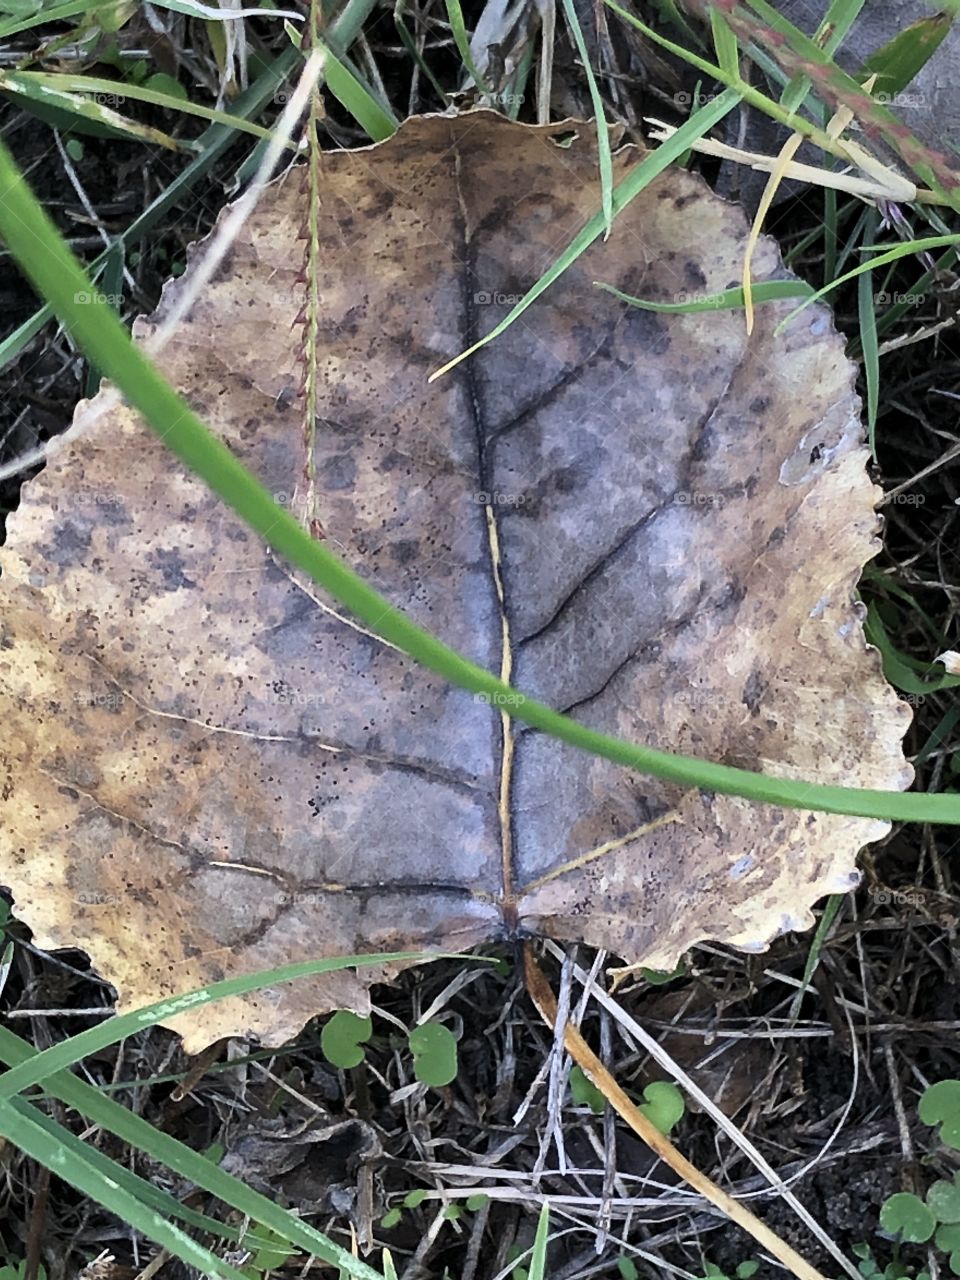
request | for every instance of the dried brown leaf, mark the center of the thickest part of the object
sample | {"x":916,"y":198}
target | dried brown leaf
{"x":208,"y":771}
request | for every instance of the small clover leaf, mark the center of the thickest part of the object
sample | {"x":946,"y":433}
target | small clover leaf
{"x":943,"y":1200}
{"x":948,"y":1237}
{"x":867,"y":1266}
{"x":906,"y":1216}
{"x":664,"y":1105}
{"x":434,"y":1049}
{"x":940,"y":1104}
{"x":343,"y":1037}
{"x":584,"y":1092}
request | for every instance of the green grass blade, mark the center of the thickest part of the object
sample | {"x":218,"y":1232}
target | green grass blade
{"x":905,"y":54}
{"x":176,"y":1155}
{"x":6,"y":961}
{"x":904,"y":672}
{"x":831,"y":82}
{"x":121,"y":89}
{"x":211,"y":13}
{"x":410,"y":44}
{"x":211,"y":144}
{"x":853,"y":243}
{"x":837,"y":22}
{"x":603,"y":132}
{"x":827,"y":917}
{"x":538,"y":1257}
{"x":639,"y":177}
{"x":767,"y":291}
{"x":869,"y":345}
{"x":518,"y":83}
{"x":16,"y":342}
{"x":670,"y":11}
{"x":113,"y":291}
{"x":830,"y":236}
{"x":882,"y":258}
{"x":725,"y":45}
{"x":947,"y":262}
{"x":458,"y":30}
{"x":65,"y":1162}
{"x":834,"y":25}
{"x":306,"y":1042}
{"x":56,"y":13}
{"x":797,"y":251}
{"x":60,"y":1056}
{"x":754,"y":97}
{"x":376,"y":119}
{"x":940,"y":734}
{"x":149,"y":1195}
{"x":25,"y":86}
{"x":38,"y":247}
{"x":883,"y":584}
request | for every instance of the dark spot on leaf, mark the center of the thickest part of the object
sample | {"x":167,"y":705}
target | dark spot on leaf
{"x":71,"y":541}
{"x":378,"y":206}
{"x":339,"y":472}
{"x":394,"y":458}
{"x":170,"y":563}
{"x":115,"y":514}
{"x":405,"y":550}
{"x":648,"y":330}
{"x":754,"y":691}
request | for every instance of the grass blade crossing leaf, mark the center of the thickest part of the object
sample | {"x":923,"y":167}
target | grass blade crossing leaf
{"x":631,"y":186}
{"x":766,"y":291}
{"x":603,"y":132}
{"x":40,"y":249}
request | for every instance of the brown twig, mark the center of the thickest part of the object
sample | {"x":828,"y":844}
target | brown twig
{"x":197,"y":1070}
{"x":38,"y":1217}
{"x":546,"y":1004}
